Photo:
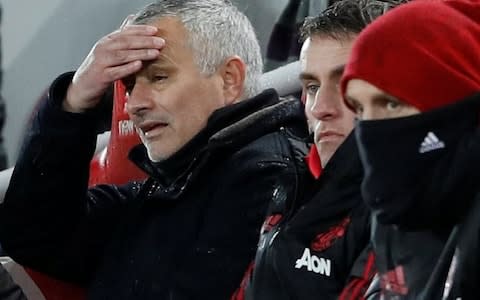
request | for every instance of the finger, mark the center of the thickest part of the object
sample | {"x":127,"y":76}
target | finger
{"x":122,"y":71}
{"x":129,"y":32}
{"x":121,"y":57}
{"x":138,"y":29}
{"x":126,"y":21}
{"x":131,"y":42}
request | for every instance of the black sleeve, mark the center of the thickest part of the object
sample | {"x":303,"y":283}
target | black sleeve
{"x":49,"y":220}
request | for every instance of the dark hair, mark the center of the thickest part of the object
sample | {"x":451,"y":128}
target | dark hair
{"x":345,"y":17}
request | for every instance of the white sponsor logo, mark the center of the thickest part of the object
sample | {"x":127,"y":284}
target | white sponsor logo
{"x":125,"y":127}
{"x":315,"y":264}
{"x":430,"y":143}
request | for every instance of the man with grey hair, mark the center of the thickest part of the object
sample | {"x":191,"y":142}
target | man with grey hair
{"x":214,"y":162}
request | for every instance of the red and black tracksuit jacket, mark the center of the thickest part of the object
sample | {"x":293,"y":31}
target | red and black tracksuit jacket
{"x":317,"y":246}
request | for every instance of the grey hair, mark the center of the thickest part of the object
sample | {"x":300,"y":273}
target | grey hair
{"x":216,"y":30}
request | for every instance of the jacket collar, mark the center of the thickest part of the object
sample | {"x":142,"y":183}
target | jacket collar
{"x":338,"y":189}
{"x":173,"y":169}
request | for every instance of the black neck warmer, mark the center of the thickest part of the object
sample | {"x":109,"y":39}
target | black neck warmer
{"x":423,"y":170}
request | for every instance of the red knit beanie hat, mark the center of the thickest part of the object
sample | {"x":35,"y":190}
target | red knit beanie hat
{"x":426,"y":52}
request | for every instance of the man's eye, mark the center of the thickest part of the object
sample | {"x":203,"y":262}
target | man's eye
{"x":159,"y":77}
{"x":355,"y":106}
{"x":128,"y":86}
{"x":312,"y":89}
{"x":392,"y":105}
{"x":357,"y":109}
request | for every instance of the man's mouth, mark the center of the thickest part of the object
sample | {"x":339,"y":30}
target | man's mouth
{"x":151,"y":128}
{"x":328,"y":135}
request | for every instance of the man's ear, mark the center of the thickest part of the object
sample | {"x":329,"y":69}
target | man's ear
{"x":233,"y":75}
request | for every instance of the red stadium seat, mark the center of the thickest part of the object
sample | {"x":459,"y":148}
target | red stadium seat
{"x":112,"y":165}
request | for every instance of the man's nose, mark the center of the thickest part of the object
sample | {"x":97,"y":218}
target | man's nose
{"x":324,"y":105}
{"x":138,"y":99}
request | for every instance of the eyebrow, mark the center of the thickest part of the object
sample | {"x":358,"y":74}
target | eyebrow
{"x":337,"y":71}
{"x":306,"y":76}
{"x":161,"y":61}
{"x":376,"y":98}
{"x":383,"y":97}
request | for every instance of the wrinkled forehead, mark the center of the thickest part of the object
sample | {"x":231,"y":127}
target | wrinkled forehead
{"x":177,"y":47}
{"x":172,"y":30}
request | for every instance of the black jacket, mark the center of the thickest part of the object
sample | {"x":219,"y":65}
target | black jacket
{"x":428,"y":264}
{"x":308,"y":248}
{"x":187,"y":232}
{"x":406,"y":260}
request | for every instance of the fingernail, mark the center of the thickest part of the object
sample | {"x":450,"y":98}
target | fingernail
{"x":158,"y":41}
{"x":153,"y":52}
{"x":152,"y":29}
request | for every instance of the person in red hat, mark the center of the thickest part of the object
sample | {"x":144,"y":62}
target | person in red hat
{"x":413,"y":79}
